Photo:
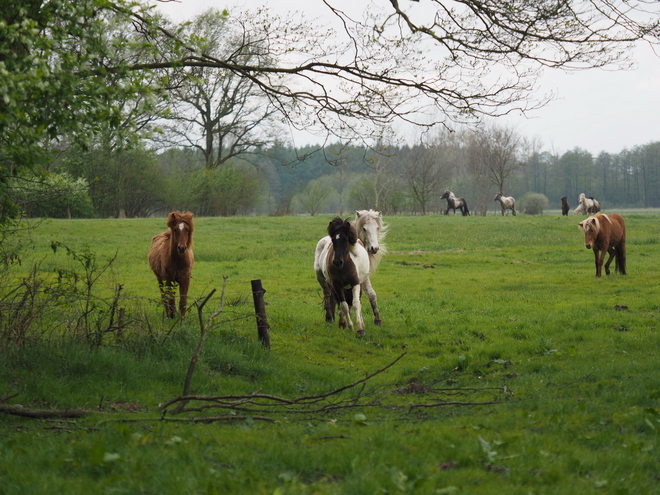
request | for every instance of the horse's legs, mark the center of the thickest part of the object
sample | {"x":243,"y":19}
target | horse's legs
{"x":358,"y":311}
{"x":183,"y":295}
{"x":612,"y":254}
{"x":328,"y":299}
{"x":339,"y":298}
{"x":345,"y":315}
{"x":600,"y":256}
{"x":168,"y":290}
{"x":371,"y":293}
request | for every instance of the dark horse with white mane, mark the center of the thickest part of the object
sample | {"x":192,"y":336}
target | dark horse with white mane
{"x":455,"y":203}
{"x":171,"y":259}
{"x":606,"y":234}
{"x":344,"y":265}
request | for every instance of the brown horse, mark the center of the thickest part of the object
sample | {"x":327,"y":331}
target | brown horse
{"x":606,"y":233}
{"x":171,"y":259}
{"x":565,"y":206}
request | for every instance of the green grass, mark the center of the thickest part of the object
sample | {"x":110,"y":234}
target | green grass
{"x":502,"y":311}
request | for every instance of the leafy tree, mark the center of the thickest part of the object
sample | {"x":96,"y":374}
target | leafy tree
{"x":315,"y":196}
{"x":223,"y":192}
{"x":122,"y":183}
{"x":54,"y":196}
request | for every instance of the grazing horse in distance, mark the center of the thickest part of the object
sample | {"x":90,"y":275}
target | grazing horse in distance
{"x":344,"y":266}
{"x":589,"y":205}
{"x":565,"y":207}
{"x":507,"y":203}
{"x":455,"y":203}
{"x":606,"y":233}
{"x":171,"y":259}
{"x":371,"y":231}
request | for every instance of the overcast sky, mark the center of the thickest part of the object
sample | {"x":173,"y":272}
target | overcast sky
{"x":597,"y":110}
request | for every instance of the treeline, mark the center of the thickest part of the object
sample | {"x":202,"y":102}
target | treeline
{"x":281,"y":180}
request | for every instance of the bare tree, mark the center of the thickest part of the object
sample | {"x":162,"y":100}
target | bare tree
{"x":498,"y":148}
{"x":395,"y":61}
{"x":425,"y":171}
{"x":215,"y":110}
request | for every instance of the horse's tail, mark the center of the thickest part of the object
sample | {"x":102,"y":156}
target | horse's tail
{"x":348,"y":296}
{"x":620,"y":260}
{"x":467,"y":210}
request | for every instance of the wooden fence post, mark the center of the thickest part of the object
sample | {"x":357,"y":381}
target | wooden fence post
{"x":260,"y":310}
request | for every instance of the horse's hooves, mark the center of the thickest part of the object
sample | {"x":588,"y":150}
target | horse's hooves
{"x":360,"y":333}
{"x":378,"y":323}
{"x":329,"y":320}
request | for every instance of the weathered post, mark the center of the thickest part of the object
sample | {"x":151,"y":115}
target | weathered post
{"x":260,"y":310}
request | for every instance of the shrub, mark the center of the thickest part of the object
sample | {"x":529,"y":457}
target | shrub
{"x":534,"y":203}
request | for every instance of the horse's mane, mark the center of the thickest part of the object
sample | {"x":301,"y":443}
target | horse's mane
{"x":176,"y":217}
{"x":592,"y":223}
{"x":361,"y":218}
{"x":338,"y":224}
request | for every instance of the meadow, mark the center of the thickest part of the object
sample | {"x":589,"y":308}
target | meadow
{"x":503,"y":365}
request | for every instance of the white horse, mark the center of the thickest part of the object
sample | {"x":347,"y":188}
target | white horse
{"x":341,"y":266}
{"x":507,"y":203}
{"x":589,"y":205}
{"x":371,"y":231}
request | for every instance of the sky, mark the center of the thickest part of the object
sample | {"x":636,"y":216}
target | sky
{"x":595,"y":110}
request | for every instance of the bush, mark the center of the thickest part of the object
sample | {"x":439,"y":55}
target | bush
{"x":534,"y":203}
{"x":53,"y":195}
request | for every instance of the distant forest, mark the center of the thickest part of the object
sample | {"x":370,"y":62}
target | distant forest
{"x":281,"y":180}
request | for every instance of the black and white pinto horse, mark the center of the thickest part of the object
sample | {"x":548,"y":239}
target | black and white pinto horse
{"x":507,"y":203}
{"x":589,"y":205}
{"x":371,"y":230}
{"x":455,"y":203}
{"x":341,"y":266}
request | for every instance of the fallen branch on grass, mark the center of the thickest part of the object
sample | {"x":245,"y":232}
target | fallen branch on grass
{"x":271,"y":402}
{"x":25,"y":412}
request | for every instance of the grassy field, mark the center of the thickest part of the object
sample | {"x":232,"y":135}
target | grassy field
{"x":519,"y":371}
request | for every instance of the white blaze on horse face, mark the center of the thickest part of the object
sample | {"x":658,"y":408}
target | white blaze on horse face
{"x":181,"y":226}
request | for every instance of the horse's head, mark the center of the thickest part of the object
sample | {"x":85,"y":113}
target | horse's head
{"x":446,"y":194}
{"x":590,"y":227}
{"x":497,"y":197}
{"x":181,"y":225}
{"x":370,"y":229}
{"x":342,"y":234}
